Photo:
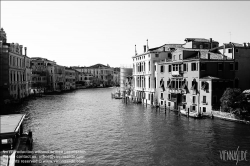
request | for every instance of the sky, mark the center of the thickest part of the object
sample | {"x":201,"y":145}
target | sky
{"x":84,"y":33}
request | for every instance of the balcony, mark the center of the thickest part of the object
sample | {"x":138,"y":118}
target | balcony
{"x":173,"y":90}
{"x":204,"y":103}
{"x":177,"y":73}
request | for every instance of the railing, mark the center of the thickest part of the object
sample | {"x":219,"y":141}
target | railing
{"x":175,"y":90}
{"x":177,"y":73}
{"x":204,"y":103}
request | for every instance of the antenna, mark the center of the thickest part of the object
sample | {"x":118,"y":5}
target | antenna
{"x":135,"y":50}
{"x":147,"y":44}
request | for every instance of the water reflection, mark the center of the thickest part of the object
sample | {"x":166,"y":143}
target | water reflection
{"x":113,"y":133}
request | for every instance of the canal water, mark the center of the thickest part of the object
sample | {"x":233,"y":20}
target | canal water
{"x":108,"y":132}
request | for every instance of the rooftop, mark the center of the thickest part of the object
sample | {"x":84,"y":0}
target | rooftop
{"x":215,"y":56}
{"x":167,"y":45}
{"x":198,"y":40}
{"x":98,"y":66}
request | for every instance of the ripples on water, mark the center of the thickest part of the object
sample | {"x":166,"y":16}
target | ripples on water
{"x":113,"y":133}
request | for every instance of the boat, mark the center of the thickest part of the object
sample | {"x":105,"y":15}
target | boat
{"x":117,"y":95}
{"x":13,"y":140}
{"x":192,"y":114}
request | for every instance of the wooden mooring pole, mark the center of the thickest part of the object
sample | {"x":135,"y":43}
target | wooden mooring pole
{"x":165,"y":108}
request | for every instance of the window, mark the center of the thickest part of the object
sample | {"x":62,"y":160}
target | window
{"x":201,"y":46}
{"x":194,"y":99}
{"x":156,"y":55}
{"x":161,"y":102}
{"x":236,"y":66}
{"x":184,"y":67}
{"x":155,"y":82}
{"x":155,"y":67}
{"x":193,"y":66}
{"x":169,"y":55}
{"x":194,"y":85}
{"x":169,"y":104}
{"x":231,"y":66}
{"x":193,"y":108}
{"x":169,"y":96}
{"x":204,"y":109}
{"x":183,"y":98}
{"x":169,"y":68}
{"x":203,"y":66}
{"x":149,"y":82}
{"x":162,"y":69}
{"x":148,"y":66}
{"x":180,"y":56}
{"x":148,"y":96}
{"x":220,"y":66}
{"x":194,"y":46}
{"x":230,"y":50}
{"x":204,"y":99}
{"x":162,"y":96}
{"x":236,"y":50}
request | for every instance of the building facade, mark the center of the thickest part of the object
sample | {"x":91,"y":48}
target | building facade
{"x":14,"y":70}
{"x":59,"y":74}
{"x":195,"y":79}
{"x":70,"y":79}
{"x":144,"y":71}
{"x":96,"y":75}
{"x":42,"y":74}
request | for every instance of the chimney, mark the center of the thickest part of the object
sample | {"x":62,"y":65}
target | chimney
{"x":211,"y":43}
{"x":145,"y":48}
{"x":224,"y":48}
{"x":21,"y":49}
{"x":25,"y":51}
{"x":245,"y":45}
{"x":147,"y":45}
